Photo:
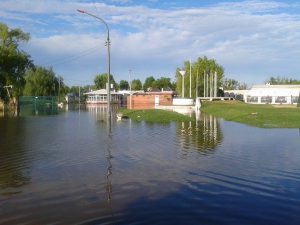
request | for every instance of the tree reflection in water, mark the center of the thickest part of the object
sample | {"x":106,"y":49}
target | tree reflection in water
{"x":204,"y":133}
{"x":14,"y":160}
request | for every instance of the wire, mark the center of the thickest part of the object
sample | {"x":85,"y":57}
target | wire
{"x":72,"y":58}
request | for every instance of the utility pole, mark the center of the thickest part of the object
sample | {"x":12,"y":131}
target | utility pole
{"x":58,"y":89}
{"x":130,"y":89}
{"x":182,"y":72}
{"x":190,"y":78}
{"x":215,"y":94}
{"x":207,"y":85}
{"x":79,"y":96}
{"x":108,"y":61}
{"x":204,"y":86}
{"x":210,"y":84}
{"x":197,"y":82}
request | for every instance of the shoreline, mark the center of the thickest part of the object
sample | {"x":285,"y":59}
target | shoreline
{"x":263,"y":116}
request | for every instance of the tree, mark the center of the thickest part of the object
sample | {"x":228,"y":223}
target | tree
{"x":232,"y":84}
{"x":13,"y":61}
{"x":229,"y":84}
{"x":41,"y":81}
{"x":149,"y":83}
{"x":124,"y":85}
{"x":136,"y":85}
{"x":101,"y":80}
{"x":243,"y":86}
{"x":173,"y":87}
{"x":282,"y":80}
{"x":83,"y":89}
{"x":163,"y":82}
{"x":199,"y":68}
{"x":63,"y":89}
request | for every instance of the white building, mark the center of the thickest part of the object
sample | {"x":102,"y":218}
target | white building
{"x":100,"y":97}
{"x":268,"y":94}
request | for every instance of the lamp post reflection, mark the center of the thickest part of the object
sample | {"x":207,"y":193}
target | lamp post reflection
{"x":109,"y":172}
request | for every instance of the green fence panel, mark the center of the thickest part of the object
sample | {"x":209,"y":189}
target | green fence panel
{"x":38,"y":105}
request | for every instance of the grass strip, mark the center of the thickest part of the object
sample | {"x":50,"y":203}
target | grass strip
{"x":154,"y":115}
{"x":265,"y":116}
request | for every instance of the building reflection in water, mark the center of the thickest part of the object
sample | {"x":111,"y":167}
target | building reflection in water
{"x":99,"y":111}
{"x":204,"y":133}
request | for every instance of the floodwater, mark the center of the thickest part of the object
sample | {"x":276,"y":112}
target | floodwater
{"x":69,"y":169}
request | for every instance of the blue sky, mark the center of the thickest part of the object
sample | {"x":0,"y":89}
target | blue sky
{"x":251,"y":39}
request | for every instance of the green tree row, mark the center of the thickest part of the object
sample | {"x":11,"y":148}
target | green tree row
{"x":232,"y":84}
{"x":136,"y":84}
{"x":282,"y":80}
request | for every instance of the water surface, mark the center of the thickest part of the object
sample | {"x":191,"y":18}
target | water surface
{"x":68,"y":169}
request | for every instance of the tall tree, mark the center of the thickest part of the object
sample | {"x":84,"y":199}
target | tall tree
{"x":174,"y":84}
{"x":13,"y":61}
{"x":149,"y":83}
{"x":136,"y":85}
{"x":163,"y":82}
{"x":41,"y":81}
{"x":124,"y":85}
{"x":229,"y":84}
{"x":232,"y":84}
{"x":199,"y":68}
{"x":63,"y":89}
{"x":83,"y":89}
{"x":101,"y":80}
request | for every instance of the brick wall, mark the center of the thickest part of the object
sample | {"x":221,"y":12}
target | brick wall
{"x":147,"y":101}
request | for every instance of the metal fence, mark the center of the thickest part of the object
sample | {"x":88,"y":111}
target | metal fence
{"x":37,"y":105}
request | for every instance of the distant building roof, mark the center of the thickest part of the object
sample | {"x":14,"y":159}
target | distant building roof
{"x":155,"y":93}
{"x":296,"y":86}
{"x":101,"y":92}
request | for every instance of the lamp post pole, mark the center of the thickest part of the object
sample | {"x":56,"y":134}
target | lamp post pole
{"x":108,"y":60}
{"x":190,"y":77}
{"x":8,"y":86}
{"x":182,"y":72}
{"x":130,"y":89}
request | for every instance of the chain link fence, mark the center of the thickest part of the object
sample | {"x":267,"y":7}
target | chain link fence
{"x":37,"y":105}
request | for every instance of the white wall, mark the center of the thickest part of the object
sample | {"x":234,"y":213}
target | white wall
{"x":183,"y":101}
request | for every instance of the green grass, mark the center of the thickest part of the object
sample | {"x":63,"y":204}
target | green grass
{"x":154,"y":115}
{"x":266,"y":116}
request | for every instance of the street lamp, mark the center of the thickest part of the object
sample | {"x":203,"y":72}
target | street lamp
{"x":182,"y":72}
{"x":8,"y":86}
{"x":130,"y":87}
{"x":108,"y":58}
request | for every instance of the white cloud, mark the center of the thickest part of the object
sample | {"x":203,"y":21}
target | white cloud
{"x":253,"y":6}
{"x":251,"y":38}
{"x":121,"y":1}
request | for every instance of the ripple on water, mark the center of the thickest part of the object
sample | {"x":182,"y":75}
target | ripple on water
{"x":69,"y":171}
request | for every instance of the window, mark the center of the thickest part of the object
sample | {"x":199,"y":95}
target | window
{"x":252,"y":99}
{"x":280,"y":99}
{"x":266,"y":99}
